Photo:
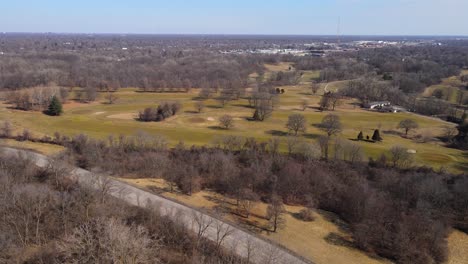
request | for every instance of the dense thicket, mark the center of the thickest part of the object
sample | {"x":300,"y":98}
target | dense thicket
{"x":46,"y":217}
{"x":150,"y":72}
{"x":401,"y":215}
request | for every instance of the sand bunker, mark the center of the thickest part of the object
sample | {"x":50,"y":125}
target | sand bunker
{"x":123,"y":116}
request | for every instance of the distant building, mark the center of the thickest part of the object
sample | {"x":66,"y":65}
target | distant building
{"x":391,"y":109}
{"x":376,"y":105}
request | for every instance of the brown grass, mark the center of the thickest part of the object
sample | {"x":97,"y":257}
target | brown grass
{"x":458,"y":248}
{"x":46,"y":149}
{"x":325,"y":240}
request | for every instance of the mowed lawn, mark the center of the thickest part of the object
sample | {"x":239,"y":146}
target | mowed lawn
{"x":100,"y":120}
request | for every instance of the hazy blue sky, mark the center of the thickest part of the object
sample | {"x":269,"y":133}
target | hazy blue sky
{"x":370,"y":17}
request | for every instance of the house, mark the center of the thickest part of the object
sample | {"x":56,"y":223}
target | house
{"x":376,"y":105}
{"x":391,"y":109}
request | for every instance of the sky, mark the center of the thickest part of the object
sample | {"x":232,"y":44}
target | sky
{"x":270,"y":17}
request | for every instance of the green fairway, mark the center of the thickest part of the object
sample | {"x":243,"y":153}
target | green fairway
{"x":100,"y":120}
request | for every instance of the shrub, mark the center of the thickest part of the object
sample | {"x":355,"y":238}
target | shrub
{"x":306,"y":214}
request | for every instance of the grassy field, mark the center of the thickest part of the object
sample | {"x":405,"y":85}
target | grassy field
{"x":100,"y":120}
{"x":448,"y":89}
{"x":46,"y":149}
{"x":324,"y":240}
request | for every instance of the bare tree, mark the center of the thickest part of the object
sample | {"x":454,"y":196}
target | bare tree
{"x":292,"y":143}
{"x":6,"y":129}
{"x":407,"y":125}
{"x":223,"y":231}
{"x":109,"y":241}
{"x":314,"y":86}
{"x":324,"y":103}
{"x":296,"y":123}
{"x":111,"y":97}
{"x":90,"y":94}
{"x":199,"y":105}
{"x":450,"y":132}
{"x":105,"y":187}
{"x":275,"y":212}
{"x":201,"y":223}
{"x":331,"y":125}
{"x":335,"y":100}
{"x":248,"y":200}
{"x":400,"y":157}
{"x":309,"y":151}
{"x":304,"y":104}
{"x":226,"y":121}
{"x":64,"y":93}
{"x":460,"y":96}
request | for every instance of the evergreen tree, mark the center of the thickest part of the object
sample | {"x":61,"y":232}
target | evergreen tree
{"x":360,"y":136}
{"x":376,"y":135}
{"x":55,"y":107}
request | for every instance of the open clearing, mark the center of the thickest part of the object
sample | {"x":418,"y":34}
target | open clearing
{"x":100,"y":120}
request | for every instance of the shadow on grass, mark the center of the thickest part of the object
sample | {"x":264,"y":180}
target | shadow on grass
{"x":311,"y":136}
{"x":277,"y":133}
{"x":299,"y":217}
{"x":215,"y":106}
{"x":462,"y":165}
{"x":218,"y":128}
{"x":363,"y":140}
{"x":228,"y":207}
{"x":191,"y":112}
{"x":242,"y":105}
{"x":338,"y":240}
{"x":393,"y":132}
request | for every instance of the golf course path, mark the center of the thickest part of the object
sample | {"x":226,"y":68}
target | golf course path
{"x":239,"y":241}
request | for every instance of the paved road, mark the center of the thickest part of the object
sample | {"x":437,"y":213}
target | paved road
{"x":241,"y":242}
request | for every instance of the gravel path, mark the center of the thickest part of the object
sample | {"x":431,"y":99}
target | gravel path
{"x":243,"y":243}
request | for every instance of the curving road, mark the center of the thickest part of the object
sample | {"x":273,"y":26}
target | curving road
{"x":239,"y":241}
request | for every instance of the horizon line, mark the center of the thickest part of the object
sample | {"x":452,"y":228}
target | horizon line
{"x":233,"y":34}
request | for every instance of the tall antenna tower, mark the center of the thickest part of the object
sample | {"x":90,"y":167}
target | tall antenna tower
{"x":338,"y":31}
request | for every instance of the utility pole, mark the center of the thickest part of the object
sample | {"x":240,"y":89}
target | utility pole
{"x":338,"y":31}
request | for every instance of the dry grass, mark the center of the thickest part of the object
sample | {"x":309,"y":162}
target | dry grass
{"x":46,"y":149}
{"x":324,"y":240}
{"x":282,"y":66}
{"x":458,"y":248}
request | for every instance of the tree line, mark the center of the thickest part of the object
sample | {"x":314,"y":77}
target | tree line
{"x":390,"y":211}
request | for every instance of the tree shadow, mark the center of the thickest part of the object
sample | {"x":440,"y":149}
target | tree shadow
{"x":338,"y":240}
{"x":462,"y":165}
{"x":392,"y":132}
{"x":362,"y":140}
{"x":191,"y":112}
{"x":214,"y":106}
{"x":217,"y":128}
{"x":311,"y":136}
{"x":277,"y":133}
{"x":335,"y":219}
{"x":243,"y":105}
{"x":300,"y":218}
